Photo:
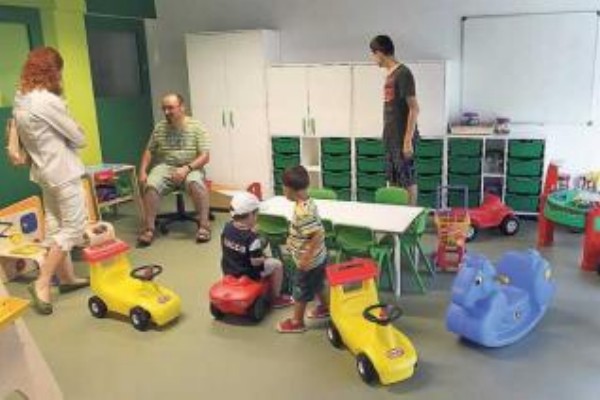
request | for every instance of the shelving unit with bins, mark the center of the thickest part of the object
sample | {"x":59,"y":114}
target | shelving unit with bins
{"x":336,"y":166}
{"x":370,"y":168}
{"x":122,"y":187}
{"x":510,"y":166}
{"x":525,"y":160}
{"x":429,"y":163}
{"x":286,"y":153}
{"x":465,"y":168}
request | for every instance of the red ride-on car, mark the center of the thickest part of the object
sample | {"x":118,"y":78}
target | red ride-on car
{"x":240,"y":296}
{"x":492,"y":213}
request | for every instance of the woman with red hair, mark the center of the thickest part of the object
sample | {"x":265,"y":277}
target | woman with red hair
{"x":51,"y":138}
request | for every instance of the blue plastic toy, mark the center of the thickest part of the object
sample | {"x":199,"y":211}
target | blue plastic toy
{"x":496,"y":307}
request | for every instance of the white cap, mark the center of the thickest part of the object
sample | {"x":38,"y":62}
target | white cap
{"x":244,"y":203}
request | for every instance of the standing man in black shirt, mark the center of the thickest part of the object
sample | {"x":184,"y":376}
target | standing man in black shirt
{"x":400,"y":112}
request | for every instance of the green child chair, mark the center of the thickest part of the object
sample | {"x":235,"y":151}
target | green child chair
{"x":358,"y":241}
{"x":411,"y":240}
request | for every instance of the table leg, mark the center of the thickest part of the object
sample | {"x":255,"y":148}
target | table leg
{"x":137,"y":195}
{"x":398,"y":266}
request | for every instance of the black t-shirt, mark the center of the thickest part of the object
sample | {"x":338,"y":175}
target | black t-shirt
{"x":399,"y":86}
{"x":238,"y":247}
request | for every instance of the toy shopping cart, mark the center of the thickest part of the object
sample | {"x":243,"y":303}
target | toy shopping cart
{"x":452,"y":226}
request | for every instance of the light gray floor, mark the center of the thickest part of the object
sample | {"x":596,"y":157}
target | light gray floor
{"x":108,"y":359}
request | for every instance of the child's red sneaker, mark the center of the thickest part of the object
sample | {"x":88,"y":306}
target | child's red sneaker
{"x":319,"y":312}
{"x":282,"y":301}
{"x":290,"y":326}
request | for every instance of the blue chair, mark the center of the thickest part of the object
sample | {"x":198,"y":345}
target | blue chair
{"x":496,"y":307}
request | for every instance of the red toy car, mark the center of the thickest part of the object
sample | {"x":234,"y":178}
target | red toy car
{"x":492,"y":213}
{"x":240,"y":296}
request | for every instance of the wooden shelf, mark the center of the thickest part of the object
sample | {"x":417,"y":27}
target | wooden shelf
{"x":116,"y":201}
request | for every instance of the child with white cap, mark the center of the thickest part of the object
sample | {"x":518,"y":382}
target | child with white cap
{"x":243,"y":251}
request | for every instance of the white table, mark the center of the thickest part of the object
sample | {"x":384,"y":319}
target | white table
{"x":381,"y":218}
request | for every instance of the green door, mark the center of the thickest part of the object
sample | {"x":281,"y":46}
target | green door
{"x":119,"y":62}
{"x":20,"y":31}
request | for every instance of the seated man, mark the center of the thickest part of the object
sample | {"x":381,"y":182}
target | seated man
{"x":178,"y":152}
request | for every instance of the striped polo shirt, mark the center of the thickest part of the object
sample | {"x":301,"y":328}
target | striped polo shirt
{"x":174,"y":147}
{"x":305,"y":223}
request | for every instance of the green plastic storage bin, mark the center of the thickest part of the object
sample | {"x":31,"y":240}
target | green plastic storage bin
{"x":286,"y":145}
{"x":473,"y":182}
{"x":520,"y":185}
{"x":335,"y":146}
{"x":428,"y":166}
{"x":278,"y":177}
{"x":427,"y":199}
{"x":464,"y":165}
{"x":522,"y":203}
{"x":366,"y":195}
{"x":465,"y":147}
{"x":343,"y":194}
{"x":371,"y":180}
{"x":456,"y":198}
{"x":428,"y":182}
{"x":283,"y":161}
{"x":526,"y":149}
{"x":517,"y":167}
{"x":370,"y":164}
{"x":336,"y":163}
{"x":370,"y":147}
{"x":429,"y":148}
{"x":337,"y":179}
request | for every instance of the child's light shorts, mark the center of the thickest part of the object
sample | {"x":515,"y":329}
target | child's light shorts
{"x":271,"y":264}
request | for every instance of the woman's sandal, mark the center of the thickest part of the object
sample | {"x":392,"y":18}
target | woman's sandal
{"x":202,"y":235}
{"x":146,"y":238}
{"x":41,"y":306}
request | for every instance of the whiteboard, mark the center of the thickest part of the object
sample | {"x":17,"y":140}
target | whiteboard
{"x":532,"y":68}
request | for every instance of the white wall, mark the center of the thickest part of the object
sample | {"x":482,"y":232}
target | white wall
{"x":340,"y":30}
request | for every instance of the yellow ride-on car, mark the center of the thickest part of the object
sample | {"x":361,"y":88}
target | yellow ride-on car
{"x":363,"y":325}
{"x":119,"y":289}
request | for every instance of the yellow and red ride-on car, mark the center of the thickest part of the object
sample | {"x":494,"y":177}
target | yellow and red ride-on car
{"x":123,"y":290}
{"x":361,"y":323}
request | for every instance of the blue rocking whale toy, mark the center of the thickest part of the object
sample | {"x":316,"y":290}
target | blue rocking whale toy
{"x":497,"y":306}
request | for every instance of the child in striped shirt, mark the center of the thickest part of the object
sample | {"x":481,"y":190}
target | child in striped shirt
{"x":306,"y":244}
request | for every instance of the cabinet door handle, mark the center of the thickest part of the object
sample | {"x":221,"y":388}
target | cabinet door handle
{"x":223,"y":118}
{"x":304,"y":126}
{"x":314,"y":127}
{"x":231,"y":119}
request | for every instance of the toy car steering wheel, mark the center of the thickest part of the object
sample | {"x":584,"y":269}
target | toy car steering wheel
{"x":387,"y":314}
{"x":146,"y":272}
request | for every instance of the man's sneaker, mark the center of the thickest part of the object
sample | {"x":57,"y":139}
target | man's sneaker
{"x":319,"y":312}
{"x":282,"y":301}
{"x":289,"y":326}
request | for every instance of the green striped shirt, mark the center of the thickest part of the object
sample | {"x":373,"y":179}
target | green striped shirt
{"x":305,"y":223}
{"x":174,"y":147}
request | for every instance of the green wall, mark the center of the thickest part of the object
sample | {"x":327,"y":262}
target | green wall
{"x":61,"y":24}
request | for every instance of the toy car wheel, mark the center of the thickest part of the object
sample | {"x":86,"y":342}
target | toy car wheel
{"x":366,"y":370}
{"x":334,"y":336}
{"x":259,"y":309}
{"x":97,"y":307}
{"x":215,"y":312}
{"x":471,"y":233}
{"x":510,"y":225}
{"x":140,"y":318}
